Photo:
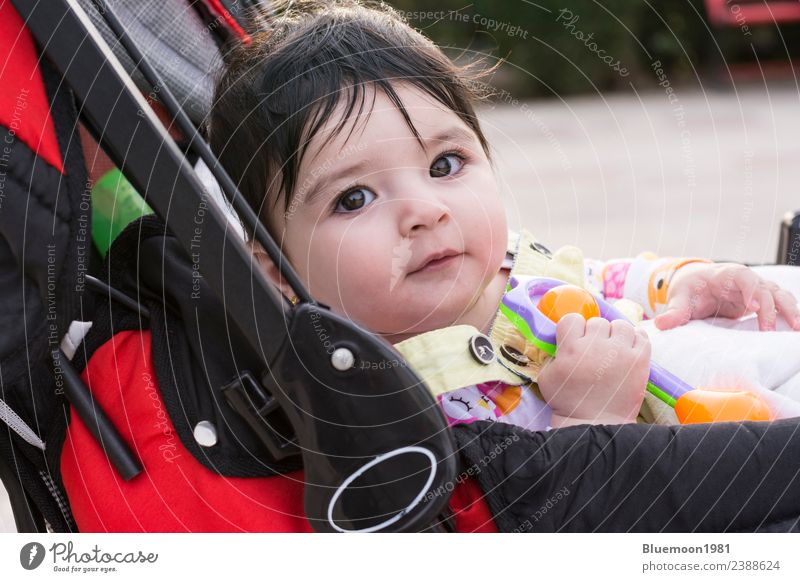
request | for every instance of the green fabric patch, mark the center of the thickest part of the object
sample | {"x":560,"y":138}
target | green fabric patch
{"x":115,"y":204}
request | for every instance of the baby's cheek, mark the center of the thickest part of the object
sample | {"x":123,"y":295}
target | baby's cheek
{"x":490,"y":251}
{"x":487,"y":237}
{"x":353,"y":285}
{"x":322,"y":278}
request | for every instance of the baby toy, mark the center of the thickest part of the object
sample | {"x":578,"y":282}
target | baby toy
{"x":536,"y":304}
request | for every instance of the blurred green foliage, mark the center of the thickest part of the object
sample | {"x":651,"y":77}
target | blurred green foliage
{"x":548,"y":51}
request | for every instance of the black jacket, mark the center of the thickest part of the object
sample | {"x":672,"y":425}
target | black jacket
{"x":705,"y":477}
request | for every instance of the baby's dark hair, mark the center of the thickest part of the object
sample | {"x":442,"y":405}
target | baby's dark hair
{"x":276,"y":93}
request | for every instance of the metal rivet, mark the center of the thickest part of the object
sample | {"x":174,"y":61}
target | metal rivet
{"x":482,"y":349}
{"x":514,"y":356}
{"x":343,"y":359}
{"x":205,"y":433}
{"x":539,"y":247}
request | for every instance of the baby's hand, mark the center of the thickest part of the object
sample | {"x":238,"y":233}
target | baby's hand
{"x":599,"y":374}
{"x":700,"y":290}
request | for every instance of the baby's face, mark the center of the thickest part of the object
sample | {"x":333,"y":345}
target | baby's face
{"x":373,"y":212}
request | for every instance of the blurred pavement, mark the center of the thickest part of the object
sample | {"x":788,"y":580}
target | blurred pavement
{"x":708,"y":174}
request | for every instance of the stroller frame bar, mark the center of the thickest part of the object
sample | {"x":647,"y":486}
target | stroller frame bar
{"x":106,"y":94}
{"x":200,"y":147}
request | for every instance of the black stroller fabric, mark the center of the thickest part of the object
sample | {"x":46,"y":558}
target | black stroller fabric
{"x":196,"y":349}
{"x":727,"y":477}
{"x":45,"y":251}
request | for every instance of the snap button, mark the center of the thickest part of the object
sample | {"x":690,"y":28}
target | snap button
{"x":205,"y":433}
{"x":343,"y":359}
{"x":514,"y":356}
{"x":481,"y":349}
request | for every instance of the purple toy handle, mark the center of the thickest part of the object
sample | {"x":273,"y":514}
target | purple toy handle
{"x":667,"y":382}
{"x":523,"y":300}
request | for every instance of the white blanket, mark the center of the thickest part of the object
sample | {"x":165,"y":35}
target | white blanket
{"x":729,"y":353}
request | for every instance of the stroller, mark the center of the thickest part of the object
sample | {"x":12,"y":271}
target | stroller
{"x":199,"y":399}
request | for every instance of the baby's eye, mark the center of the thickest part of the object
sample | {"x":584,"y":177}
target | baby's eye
{"x":446,"y":165}
{"x":353,"y":200}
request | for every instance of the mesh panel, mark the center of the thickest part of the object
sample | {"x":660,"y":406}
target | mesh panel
{"x":175,"y":40}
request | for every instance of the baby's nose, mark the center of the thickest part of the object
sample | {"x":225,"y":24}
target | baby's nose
{"x":422,"y":213}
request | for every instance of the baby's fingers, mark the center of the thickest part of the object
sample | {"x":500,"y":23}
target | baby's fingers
{"x":679,"y":310}
{"x":623,"y":333}
{"x":786,"y":303}
{"x":766,"y":308}
{"x":571,"y":327}
{"x":642,"y":340}
{"x":746,"y":281}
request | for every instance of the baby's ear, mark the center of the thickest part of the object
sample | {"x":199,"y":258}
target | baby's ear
{"x":270,"y":269}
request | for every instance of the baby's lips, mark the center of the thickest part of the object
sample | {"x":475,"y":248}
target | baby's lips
{"x":433,"y":257}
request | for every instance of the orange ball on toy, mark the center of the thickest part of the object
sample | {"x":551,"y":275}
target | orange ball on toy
{"x":703,"y":405}
{"x":564,"y":299}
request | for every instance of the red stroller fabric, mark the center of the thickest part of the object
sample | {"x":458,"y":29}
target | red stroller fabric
{"x":24,"y":106}
{"x":175,"y":492}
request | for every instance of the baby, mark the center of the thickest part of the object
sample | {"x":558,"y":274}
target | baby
{"x":355,"y":139}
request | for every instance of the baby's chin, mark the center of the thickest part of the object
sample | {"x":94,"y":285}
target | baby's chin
{"x":413,"y":311}
{"x":412,"y":322}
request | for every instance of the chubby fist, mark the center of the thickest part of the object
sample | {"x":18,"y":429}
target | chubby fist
{"x":599,"y":374}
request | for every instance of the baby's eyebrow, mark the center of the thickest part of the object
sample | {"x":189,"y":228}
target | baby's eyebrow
{"x":319,"y":186}
{"x":453,"y":134}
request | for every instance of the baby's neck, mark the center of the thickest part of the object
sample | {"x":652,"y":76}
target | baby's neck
{"x":480,"y":315}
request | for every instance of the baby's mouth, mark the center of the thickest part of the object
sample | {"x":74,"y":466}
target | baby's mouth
{"x":439,"y":262}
